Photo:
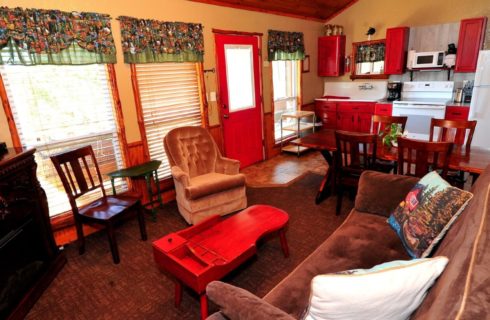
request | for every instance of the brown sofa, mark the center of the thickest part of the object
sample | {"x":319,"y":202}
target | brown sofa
{"x":364,"y":240}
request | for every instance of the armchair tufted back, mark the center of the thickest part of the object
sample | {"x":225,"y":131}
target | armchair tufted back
{"x":192,"y":149}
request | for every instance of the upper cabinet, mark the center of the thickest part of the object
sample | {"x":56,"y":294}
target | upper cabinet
{"x":331,"y":53}
{"x":471,"y":33}
{"x":396,"y":50}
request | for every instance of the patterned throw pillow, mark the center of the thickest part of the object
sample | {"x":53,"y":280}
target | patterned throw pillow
{"x":427,"y":213}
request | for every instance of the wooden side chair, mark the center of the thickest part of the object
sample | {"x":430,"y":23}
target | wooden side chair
{"x":382,"y":123}
{"x":460,"y":132}
{"x":80,"y":174}
{"x":381,"y":127}
{"x":356,"y":152}
{"x":417,"y":158}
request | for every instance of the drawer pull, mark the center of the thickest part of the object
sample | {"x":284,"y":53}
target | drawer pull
{"x":456,"y":113}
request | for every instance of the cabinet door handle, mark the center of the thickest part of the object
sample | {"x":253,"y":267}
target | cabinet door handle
{"x":456,"y":113}
{"x":352,"y":118}
{"x":355,"y":108}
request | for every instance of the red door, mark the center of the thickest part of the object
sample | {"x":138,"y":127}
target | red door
{"x":240,"y":97}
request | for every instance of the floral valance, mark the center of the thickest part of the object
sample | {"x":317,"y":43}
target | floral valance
{"x":286,"y":45}
{"x":38,"y":36}
{"x":149,"y":41}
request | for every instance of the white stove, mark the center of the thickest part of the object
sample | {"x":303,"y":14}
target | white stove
{"x":420,"y":102}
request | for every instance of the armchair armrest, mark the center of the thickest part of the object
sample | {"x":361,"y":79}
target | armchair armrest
{"x":227,"y":166}
{"x":181,"y":176}
{"x":239,"y":304}
{"x":380,"y":193}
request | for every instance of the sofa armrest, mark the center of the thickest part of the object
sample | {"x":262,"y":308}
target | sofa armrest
{"x":227,"y":166}
{"x":380,"y":193}
{"x":239,"y":304}
{"x":181,"y":176}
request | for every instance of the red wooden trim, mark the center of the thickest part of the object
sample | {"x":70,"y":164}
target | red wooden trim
{"x":237,"y":33}
{"x":202,"y":95}
{"x":250,"y":8}
{"x":121,"y":129}
{"x":139,"y":110}
{"x":341,"y":11}
{"x":10,"y":117}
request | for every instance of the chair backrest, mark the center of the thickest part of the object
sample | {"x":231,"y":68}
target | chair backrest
{"x":356,"y":152}
{"x":460,"y":132}
{"x":192,"y":149}
{"x":420,"y":157}
{"x":78,"y":171}
{"x":381,"y":124}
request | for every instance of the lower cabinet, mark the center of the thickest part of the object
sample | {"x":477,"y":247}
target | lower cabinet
{"x":347,"y":116}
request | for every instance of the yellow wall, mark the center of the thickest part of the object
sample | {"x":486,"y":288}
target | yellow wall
{"x":179,"y":10}
{"x":383,"y":14}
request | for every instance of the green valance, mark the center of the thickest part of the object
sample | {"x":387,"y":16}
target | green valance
{"x":284,"y":45}
{"x":150,"y":41}
{"x":38,"y":36}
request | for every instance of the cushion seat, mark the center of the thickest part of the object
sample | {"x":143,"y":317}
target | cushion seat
{"x":213,"y":182}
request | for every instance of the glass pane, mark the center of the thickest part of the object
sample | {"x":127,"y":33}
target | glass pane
{"x":240,"y":75}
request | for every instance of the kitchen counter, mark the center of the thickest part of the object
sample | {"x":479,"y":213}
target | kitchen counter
{"x":459,"y":104}
{"x":346,"y":100}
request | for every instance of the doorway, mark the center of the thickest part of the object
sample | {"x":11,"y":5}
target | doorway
{"x":240,"y":100}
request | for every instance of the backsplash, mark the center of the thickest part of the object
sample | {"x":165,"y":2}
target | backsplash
{"x":362,"y":90}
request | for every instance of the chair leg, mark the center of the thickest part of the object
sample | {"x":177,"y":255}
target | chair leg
{"x":112,"y":242}
{"x":80,"y":236}
{"x":141,"y":222}
{"x":340,"y":195}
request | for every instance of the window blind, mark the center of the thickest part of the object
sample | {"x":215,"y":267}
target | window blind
{"x":169,"y":94}
{"x":59,"y":108}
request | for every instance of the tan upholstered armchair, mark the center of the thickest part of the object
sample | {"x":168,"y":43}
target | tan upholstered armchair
{"x":205,"y":182}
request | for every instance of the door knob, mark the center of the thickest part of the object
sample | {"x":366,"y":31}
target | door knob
{"x":226,"y":116}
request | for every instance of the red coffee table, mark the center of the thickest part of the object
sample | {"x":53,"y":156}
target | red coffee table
{"x":208,"y":251}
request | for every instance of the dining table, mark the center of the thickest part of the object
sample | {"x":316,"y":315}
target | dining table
{"x":472,"y":160}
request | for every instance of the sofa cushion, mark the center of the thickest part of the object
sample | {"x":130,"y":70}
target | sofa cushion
{"x":387,"y":190}
{"x":392,"y":290}
{"x":428,"y":211}
{"x":463,"y":288}
{"x":210,"y":183}
{"x":362,"y":241}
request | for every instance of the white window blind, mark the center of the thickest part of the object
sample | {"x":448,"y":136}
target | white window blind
{"x":169,"y":94}
{"x":59,"y":108}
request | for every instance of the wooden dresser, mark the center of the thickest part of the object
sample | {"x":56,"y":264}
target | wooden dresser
{"x":29,"y":258}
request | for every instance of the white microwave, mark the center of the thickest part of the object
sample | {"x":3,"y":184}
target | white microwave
{"x":433,"y":59}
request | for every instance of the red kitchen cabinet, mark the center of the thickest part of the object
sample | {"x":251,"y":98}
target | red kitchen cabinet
{"x":326,"y":111}
{"x":331,"y":53}
{"x":347,"y":121}
{"x":396,"y":50}
{"x":364,"y":122}
{"x":383,"y":109}
{"x":471,"y":33}
{"x":355,"y":116}
{"x":457,"y":113}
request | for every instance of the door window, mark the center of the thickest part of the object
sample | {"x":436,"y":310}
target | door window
{"x":240,"y":77}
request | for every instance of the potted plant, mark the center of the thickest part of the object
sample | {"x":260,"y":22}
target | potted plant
{"x":390,"y":134}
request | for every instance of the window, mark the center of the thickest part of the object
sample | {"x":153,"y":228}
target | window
{"x":57,"y":108}
{"x":170,"y":98}
{"x":285,"y":78}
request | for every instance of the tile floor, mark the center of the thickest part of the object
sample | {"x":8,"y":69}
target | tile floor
{"x":284,"y":169}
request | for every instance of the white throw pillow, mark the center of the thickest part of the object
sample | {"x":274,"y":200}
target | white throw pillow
{"x":391,"y":290}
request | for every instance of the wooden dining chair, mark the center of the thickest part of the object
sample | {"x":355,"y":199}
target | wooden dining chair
{"x":381,"y":124}
{"x":80,"y":174}
{"x":356,"y":152}
{"x":381,"y":127}
{"x":460,"y":132}
{"x":417,"y":158}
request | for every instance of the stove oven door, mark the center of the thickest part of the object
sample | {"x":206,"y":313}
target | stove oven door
{"x":419,"y":117}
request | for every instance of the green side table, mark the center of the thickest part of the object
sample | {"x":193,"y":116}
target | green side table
{"x":146,"y":170}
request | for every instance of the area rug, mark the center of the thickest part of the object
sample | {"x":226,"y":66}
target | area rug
{"x":90,"y":286}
